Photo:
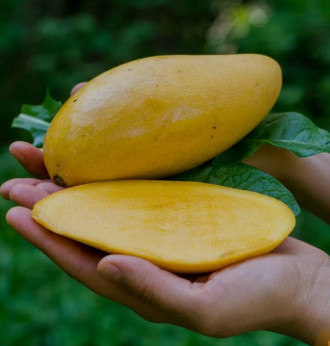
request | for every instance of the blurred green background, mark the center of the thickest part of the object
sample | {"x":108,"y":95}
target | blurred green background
{"x":57,"y":44}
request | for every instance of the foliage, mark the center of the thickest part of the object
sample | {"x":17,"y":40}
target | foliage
{"x":36,"y":119}
{"x":57,"y":44}
{"x":41,"y":306}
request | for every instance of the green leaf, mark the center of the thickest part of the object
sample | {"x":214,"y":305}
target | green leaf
{"x":291,"y":131}
{"x":294,"y":132}
{"x":241,"y":176}
{"x":35,"y":126}
{"x":236,"y":153}
{"x":36,"y":118}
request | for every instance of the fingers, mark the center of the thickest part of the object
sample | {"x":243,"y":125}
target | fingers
{"x":26,"y":195}
{"x":78,"y":260}
{"x":8,"y":185}
{"x":77,"y":87}
{"x":30,"y":157}
{"x":22,"y":189}
{"x":172,"y":295}
{"x":27,"y":192}
{"x":48,"y":186}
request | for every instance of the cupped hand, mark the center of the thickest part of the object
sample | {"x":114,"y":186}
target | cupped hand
{"x":284,"y":291}
{"x":78,"y":260}
{"x":271,"y":292}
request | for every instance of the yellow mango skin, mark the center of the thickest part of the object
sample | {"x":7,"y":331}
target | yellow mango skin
{"x":185,"y":227}
{"x":159,"y":116}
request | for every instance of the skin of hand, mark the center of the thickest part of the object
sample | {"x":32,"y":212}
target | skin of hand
{"x":285,"y":291}
{"x":307,"y":178}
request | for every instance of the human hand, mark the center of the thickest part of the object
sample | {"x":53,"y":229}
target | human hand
{"x":274,"y":292}
{"x":307,"y":178}
{"x":78,"y":260}
{"x":285,"y":291}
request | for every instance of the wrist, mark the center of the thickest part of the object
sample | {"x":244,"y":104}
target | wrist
{"x":311,"y":317}
{"x":306,"y":178}
{"x":317,"y":317}
{"x":275,"y":161}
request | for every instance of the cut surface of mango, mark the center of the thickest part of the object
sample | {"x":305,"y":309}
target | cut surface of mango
{"x":185,"y":227}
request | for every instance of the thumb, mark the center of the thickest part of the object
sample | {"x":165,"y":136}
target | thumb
{"x":148,"y":282}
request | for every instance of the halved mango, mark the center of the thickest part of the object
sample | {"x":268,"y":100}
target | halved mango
{"x":159,"y":116}
{"x":185,"y":227}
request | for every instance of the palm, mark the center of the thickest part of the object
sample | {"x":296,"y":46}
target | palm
{"x":245,"y":287}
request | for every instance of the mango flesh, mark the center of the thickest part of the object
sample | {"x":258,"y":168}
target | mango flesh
{"x":159,"y":116}
{"x":185,"y":227}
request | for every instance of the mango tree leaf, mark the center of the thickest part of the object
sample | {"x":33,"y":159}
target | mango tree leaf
{"x":291,"y":131}
{"x":36,"y":118}
{"x":241,"y":176}
{"x":294,"y":132}
{"x":46,"y":111}
{"x":236,"y":153}
{"x":35,"y":126}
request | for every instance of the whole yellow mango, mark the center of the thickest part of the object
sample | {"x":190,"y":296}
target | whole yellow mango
{"x":186,"y":227}
{"x":159,"y":116}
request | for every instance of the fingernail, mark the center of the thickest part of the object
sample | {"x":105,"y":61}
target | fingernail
{"x":111,"y":272}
